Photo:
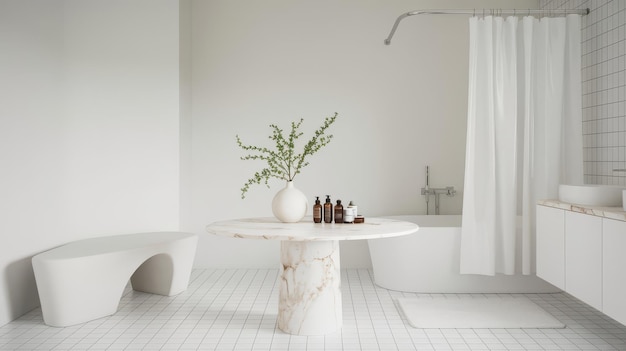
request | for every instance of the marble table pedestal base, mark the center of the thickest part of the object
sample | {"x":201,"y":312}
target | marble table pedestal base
{"x":310,"y":288}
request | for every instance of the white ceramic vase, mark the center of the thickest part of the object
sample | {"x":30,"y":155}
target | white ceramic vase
{"x":289,"y":204}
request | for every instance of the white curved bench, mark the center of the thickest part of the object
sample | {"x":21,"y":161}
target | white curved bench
{"x":84,"y":280}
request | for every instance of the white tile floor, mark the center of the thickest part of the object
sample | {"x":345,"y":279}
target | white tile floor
{"x":236,"y":310}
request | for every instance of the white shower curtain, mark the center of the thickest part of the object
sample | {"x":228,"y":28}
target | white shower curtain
{"x":524,"y":135}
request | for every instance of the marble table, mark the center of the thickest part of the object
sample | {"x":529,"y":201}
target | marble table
{"x":310,"y":290}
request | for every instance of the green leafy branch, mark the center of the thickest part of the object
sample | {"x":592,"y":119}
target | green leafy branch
{"x":283,"y":162}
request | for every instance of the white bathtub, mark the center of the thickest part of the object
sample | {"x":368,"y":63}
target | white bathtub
{"x":428,"y":262}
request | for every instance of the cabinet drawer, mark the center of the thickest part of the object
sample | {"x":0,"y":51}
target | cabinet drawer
{"x":614,"y":269}
{"x":551,"y":245}
{"x":583,"y":258}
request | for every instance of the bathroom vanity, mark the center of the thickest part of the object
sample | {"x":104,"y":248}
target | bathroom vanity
{"x":582,"y":250}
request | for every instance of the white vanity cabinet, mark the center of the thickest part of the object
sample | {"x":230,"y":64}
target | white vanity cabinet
{"x":583,"y":257}
{"x":551,"y":245}
{"x":614,"y":269}
{"x":583,"y":252}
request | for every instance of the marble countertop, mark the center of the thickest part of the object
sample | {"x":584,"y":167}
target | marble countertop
{"x":271,"y":229}
{"x":616,"y":213}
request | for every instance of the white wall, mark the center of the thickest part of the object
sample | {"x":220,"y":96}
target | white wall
{"x":89,"y":128}
{"x":401,"y":107}
{"x":185,"y":123}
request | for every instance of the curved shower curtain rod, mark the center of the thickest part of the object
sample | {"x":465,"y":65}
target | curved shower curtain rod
{"x":474,"y":12}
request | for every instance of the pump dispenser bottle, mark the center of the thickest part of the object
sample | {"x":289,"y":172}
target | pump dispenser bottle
{"x":328,"y":210}
{"x":317,"y":211}
{"x":338,"y":212}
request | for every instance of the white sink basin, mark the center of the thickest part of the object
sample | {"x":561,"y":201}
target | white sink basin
{"x":591,"y":195}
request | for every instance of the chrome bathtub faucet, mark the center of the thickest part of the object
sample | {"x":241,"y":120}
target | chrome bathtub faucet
{"x":427,"y":191}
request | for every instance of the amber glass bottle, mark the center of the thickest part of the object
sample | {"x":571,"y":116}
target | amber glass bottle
{"x":328,"y":210}
{"x":338,"y":212}
{"x":317,"y":211}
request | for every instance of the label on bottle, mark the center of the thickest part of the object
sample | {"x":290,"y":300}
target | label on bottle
{"x":354,"y":209}
{"x":328,"y":214}
{"x":348,"y":215}
{"x":338,"y":214}
{"x":317,"y":214}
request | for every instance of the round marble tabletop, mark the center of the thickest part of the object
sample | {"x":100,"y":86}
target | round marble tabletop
{"x":306,"y":230}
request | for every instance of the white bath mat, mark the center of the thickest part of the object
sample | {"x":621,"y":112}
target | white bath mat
{"x":476,"y":312}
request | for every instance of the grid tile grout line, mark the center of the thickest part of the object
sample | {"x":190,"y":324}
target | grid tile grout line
{"x":236,"y":309}
{"x":368,"y":321}
{"x":214,"y":278}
